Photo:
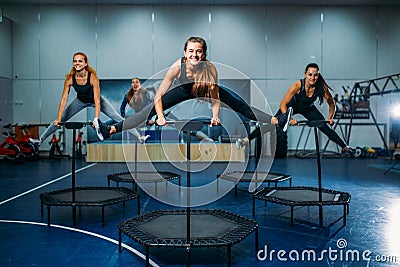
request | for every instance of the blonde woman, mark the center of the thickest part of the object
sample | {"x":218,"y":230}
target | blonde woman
{"x":83,"y":78}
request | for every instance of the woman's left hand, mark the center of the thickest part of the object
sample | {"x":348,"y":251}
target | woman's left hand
{"x":214,"y":121}
{"x":331,"y":122}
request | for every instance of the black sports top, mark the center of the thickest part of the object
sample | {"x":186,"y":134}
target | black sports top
{"x":303,"y":98}
{"x":84,"y":92}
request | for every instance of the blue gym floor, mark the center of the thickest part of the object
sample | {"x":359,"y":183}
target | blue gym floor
{"x":373,"y":224}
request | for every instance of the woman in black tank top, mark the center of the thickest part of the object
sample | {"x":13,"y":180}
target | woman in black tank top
{"x":301,"y":97}
{"x":197,"y":78}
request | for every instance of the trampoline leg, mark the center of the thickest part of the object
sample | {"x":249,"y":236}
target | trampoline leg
{"x":102,"y":216}
{"x":344,"y":215}
{"x":119,"y":241}
{"x":74,"y":215}
{"x":188,"y":255}
{"x":256,"y":239}
{"x":108,"y":181}
{"x":236,"y":190}
{"x":229,"y":252}
{"x":321,"y":219}
{"x":291,"y":215}
{"x":48,"y":215}
{"x":254,"y":204}
{"x":138,"y":205}
{"x":147,"y":256}
{"x":41,"y":208}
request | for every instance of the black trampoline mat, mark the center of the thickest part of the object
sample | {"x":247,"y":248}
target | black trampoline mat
{"x":173,"y":226}
{"x":248,"y":176}
{"x":145,"y":177}
{"x":303,"y":195}
{"x":89,"y":195}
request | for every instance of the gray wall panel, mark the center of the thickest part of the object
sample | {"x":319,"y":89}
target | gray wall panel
{"x":65,"y":30}
{"x":125,"y":44}
{"x":389,"y":40}
{"x":6,"y":49}
{"x":173,"y":25}
{"x":25,"y":41}
{"x":349,"y":42}
{"x":238,"y":38}
{"x":293,"y":40}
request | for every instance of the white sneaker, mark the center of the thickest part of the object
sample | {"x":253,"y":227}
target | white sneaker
{"x":284,"y":119}
{"x":142,"y":139}
{"x":240,"y":143}
{"x":36,"y":142}
{"x":96,"y":123}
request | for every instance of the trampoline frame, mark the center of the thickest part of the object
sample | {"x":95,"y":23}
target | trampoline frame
{"x":243,"y":228}
{"x":344,"y":200}
{"x":49,"y":199}
{"x":280,"y":178}
{"x":117,"y":179}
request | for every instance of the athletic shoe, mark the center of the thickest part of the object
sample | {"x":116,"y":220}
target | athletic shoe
{"x":96,"y":124}
{"x":351,"y":152}
{"x":240,"y":143}
{"x":103,"y":131}
{"x":36,"y":142}
{"x":143,"y":138}
{"x":284,"y":119}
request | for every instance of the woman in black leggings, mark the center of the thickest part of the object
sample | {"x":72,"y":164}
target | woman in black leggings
{"x":193,"y":76}
{"x":300,"y":98}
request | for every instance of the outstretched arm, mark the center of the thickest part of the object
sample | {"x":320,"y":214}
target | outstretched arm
{"x":64,"y":99}
{"x":171,"y":74}
{"x":94,"y":81}
{"x":331,"y":103}
{"x":215,"y":102}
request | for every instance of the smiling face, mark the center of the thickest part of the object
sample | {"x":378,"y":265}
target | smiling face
{"x":311,"y":76}
{"x":135,"y":84}
{"x":194,"y":53}
{"x":79,"y":62}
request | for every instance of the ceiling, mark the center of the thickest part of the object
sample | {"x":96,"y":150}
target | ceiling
{"x":207,"y":2}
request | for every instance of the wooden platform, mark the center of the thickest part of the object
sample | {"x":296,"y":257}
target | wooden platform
{"x":163,"y":152}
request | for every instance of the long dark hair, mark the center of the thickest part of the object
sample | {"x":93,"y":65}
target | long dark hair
{"x":321,"y":83}
{"x":205,"y":81}
{"x":135,"y":104}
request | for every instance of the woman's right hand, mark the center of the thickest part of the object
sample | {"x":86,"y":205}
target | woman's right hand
{"x":55,"y":123}
{"x":161,"y":121}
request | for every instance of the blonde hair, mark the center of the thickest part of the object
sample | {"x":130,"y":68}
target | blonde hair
{"x":88,"y":67}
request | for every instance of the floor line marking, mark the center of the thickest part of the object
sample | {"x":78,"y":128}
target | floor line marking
{"x":45,"y":184}
{"x":141,"y":255}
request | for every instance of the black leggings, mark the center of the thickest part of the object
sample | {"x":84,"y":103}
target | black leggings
{"x":179,"y":94}
{"x":311,"y":113}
